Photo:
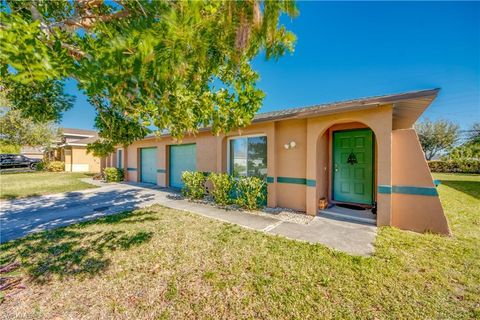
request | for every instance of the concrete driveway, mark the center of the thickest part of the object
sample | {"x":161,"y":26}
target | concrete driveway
{"x":23,"y":216}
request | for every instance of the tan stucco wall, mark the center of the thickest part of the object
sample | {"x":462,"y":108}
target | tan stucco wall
{"x":206,"y":155}
{"x":379,"y":119}
{"x":310,"y":159}
{"x":409,"y":168}
{"x":77,"y":159}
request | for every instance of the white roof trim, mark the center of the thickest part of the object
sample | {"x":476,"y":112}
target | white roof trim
{"x":78,"y":135}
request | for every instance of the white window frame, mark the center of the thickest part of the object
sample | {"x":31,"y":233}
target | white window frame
{"x":243,"y":137}
{"x":118,"y":158}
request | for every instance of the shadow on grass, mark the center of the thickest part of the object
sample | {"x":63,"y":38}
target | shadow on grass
{"x":471,"y":188}
{"x":75,"y":250}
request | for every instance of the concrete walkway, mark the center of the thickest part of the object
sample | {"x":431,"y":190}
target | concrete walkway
{"x":23,"y":216}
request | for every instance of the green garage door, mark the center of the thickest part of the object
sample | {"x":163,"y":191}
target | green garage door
{"x":353,"y":166}
{"x":148,"y":165}
{"x":182,"y":158}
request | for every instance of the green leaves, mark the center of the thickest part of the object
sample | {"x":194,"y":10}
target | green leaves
{"x":437,"y":136}
{"x":40,"y":101}
{"x":19,"y":131}
{"x":145,"y":63}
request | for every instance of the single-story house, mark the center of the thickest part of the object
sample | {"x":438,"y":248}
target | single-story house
{"x":361,"y":152}
{"x":72,"y":149}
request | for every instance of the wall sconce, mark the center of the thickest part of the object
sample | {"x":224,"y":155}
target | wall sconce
{"x":290,"y":145}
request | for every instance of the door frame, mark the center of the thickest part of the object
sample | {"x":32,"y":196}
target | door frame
{"x":169,"y":157}
{"x":331,"y":168}
{"x":139,"y":176}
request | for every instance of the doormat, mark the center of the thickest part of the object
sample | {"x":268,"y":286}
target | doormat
{"x":351,"y":206}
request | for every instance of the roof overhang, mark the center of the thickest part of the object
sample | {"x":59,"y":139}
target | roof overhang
{"x":407,"y":108}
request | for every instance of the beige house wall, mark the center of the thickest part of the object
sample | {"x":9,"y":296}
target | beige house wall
{"x":417,"y":212}
{"x":298,"y":177}
{"x":78,"y":160}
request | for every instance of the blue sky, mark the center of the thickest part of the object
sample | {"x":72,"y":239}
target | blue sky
{"x":349,"y":50}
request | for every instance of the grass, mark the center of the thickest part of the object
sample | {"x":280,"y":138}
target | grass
{"x":162,"y":263}
{"x":27,"y":184}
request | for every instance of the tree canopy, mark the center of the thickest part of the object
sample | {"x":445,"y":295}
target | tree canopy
{"x":17,"y":131}
{"x":437,"y":136}
{"x":171,"y":65}
{"x":31,"y":120}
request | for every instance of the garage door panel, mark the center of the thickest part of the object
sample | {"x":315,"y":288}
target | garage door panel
{"x":148,"y":159}
{"x":182,"y":158}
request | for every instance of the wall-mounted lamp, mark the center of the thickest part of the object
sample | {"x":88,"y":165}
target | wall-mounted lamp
{"x":290,"y":145}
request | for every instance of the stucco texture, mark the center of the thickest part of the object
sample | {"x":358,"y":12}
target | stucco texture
{"x":300,"y":176}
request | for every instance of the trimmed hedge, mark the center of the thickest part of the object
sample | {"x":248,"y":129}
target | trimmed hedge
{"x":112,"y":174}
{"x":455,"y":166}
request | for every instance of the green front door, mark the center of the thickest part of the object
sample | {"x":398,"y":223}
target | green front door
{"x":353,"y":166}
{"x":148,"y":165}
{"x":183,"y":157}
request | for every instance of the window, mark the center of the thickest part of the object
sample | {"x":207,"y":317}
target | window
{"x":119,"y":158}
{"x":248,"y":156}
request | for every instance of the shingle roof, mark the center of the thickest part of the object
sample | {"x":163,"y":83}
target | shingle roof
{"x":346,"y":105}
{"x":407,"y":108}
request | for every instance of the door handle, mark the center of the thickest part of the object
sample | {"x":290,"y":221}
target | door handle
{"x":336,"y":167}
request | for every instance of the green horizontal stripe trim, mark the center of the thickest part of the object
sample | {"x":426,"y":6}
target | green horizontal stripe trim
{"x":131,"y":169}
{"x":161,"y":170}
{"x":291,"y":180}
{"x":307,"y":182}
{"x":385,"y":189}
{"x":311,"y":183}
{"x":418,"y":191}
{"x":270,"y":179}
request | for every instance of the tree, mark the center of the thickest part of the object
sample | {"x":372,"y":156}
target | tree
{"x":473,"y":136}
{"x":174,"y":65}
{"x":470,"y":148}
{"x":17,"y":128}
{"x":17,"y":131}
{"x":437,"y":136}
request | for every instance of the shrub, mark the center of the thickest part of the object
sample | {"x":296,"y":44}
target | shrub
{"x":55,"y":166}
{"x":112,"y":174}
{"x":455,"y":166}
{"x":194,"y":184}
{"x":251,"y":192}
{"x":223,"y":187}
{"x":41,"y":166}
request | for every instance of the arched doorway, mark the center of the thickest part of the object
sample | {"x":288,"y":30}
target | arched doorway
{"x":346,"y":170}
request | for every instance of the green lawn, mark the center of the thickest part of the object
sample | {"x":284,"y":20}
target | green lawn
{"x":26,"y":184}
{"x":162,"y":263}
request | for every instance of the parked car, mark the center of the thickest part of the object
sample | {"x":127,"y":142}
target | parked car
{"x":17,"y":161}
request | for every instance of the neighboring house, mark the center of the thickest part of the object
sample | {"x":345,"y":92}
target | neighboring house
{"x":72,"y":149}
{"x":32,"y":152}
{"x":361,"y":152}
